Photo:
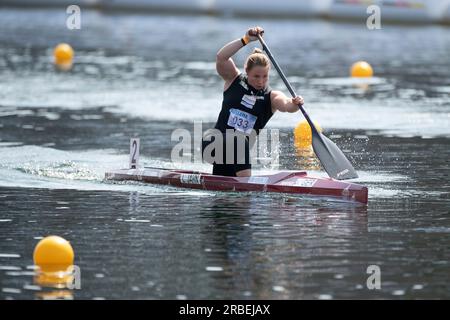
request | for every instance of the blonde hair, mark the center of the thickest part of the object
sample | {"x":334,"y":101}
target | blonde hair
{"x":256,"y":58}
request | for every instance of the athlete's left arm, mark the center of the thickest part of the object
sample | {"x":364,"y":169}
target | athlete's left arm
{"x":284,"y":104}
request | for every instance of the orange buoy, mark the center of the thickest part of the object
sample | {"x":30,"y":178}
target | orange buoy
{"x":303,"y":134}
{"x":63,"y":53}
{"x":361,"y":69}
{"x":53,"y":253}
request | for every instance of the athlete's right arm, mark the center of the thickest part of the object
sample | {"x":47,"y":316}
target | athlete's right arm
{"x":224,"y":63}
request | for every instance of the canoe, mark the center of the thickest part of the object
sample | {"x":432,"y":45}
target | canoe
{"x":292,"y":182}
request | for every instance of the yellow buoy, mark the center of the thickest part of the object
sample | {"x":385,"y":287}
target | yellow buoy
{"x":303,"y":134}
{"x":361,"y":69}
{"x":63,"y":54}
{"x":53,"y":253}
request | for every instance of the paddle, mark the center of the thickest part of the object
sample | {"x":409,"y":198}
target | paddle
{"x":331,"y":157}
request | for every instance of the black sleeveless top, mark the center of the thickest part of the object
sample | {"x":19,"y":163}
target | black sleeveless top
{"x":244,"y":108}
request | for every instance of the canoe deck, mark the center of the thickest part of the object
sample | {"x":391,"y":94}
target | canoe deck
{"x":293,"y":182}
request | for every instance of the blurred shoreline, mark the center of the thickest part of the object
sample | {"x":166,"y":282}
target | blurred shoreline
{"x":392,"y":11}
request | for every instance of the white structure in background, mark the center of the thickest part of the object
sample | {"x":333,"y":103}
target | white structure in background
{"x":282,"y":8}
{"x":446,"y":15}
{"x":200,"y":6}
{"x":414,"y":11}
{"x":446,"y":18}
{"x":51,"y":3}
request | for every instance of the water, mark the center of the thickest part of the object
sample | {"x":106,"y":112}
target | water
{"x":145,"y":75}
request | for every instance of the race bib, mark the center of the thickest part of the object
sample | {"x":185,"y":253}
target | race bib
{"x":241,"y":120}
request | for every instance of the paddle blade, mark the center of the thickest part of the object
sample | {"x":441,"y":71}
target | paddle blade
{"x":332,"y":158}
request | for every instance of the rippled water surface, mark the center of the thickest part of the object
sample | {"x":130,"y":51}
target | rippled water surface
{"x":146,"y":75}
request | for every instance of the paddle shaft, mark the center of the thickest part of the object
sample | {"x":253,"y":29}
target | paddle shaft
{"x":331,"y":157}
{"x":286,"y":82}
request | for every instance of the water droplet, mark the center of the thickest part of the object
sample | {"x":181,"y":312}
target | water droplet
{"x":278,"y":288}
{"x":214,"y":269}
{"x":398,"y":292}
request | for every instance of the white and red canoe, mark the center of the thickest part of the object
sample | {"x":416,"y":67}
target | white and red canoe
{"x":292,"y":182}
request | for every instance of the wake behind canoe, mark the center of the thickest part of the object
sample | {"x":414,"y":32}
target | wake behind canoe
{"x":292,"y":182}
